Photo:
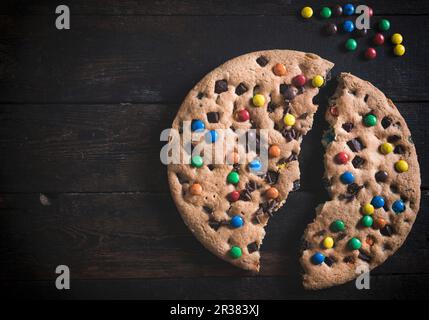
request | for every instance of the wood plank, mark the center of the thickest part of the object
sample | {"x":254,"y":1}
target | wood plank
{"x":105,"y":148}
{"x":141,"y":235}
{"x":196,"y":7}
{"x":105,"y":59}
{"x":225,"y":288}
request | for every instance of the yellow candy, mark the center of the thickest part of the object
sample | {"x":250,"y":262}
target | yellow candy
{"x":368,"y":209}
{"x":386,"y":148}
{"x":396,"y":38}
{"x":289,"y":119}
{"x":317,"y":81}
{"x":399,"y":50}
{"x":328,"y":243}
{"x":258,"y":100}
{"x":307,"y":12}
{"x":401,"y":166}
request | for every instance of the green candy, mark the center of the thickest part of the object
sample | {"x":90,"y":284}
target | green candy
{"x":325,"y":12}
{"x":370,"y":120}
{"x":384,"y":25}
{"x":351,"y":44}
{"x":235,"y":252}
{"x":338,"y":225}
{"x":197,"y":161}
{"x":354,"y":244}
{"x":367,"y":221}
{"x":233,"y":177}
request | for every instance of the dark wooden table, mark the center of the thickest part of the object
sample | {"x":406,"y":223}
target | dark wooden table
{"x":81,"y":111}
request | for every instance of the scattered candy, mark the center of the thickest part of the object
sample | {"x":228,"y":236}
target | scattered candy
{"x":197,"y":161}
{"x":370,"y":120}
{"x":243,"y":115}
{"x":338,"y":225}
{"x":384,"y":25}
{"x":325,"y":12}
{"x":255,"y":165}
{"x":368,"y":209}
{"x":378,"y":39}
{"x":196,"y":189}
{"x":318,"y":81}
{"x":317,"y":258}
{"x":211,"y":136}
{"x":328,"y":243}
{"x":342,"y":157}
{"x":272,"y":193}
{"x":233,"y":177}
{"x":307,"y":12}
{"x":347,"y":177}
{"x":331,"y":28}
{"x":274,"y":151}
{"x":348,"y":26}
{"x":401,"y":166}
{"x":367,"y":221}
{"x":354,"y":244}
{"x":289,"y":119}
{"x":371,"y":12}
{"x":386,"y":148}
{"x":337,"y":10}
{"x":379,"y":223}
{"x":396,"y":38}
{"x":351,"y":44}
{"x":197,"y":125}
{"x":398,"y":206}
{"x":348,"y":9}
{"x":234,"y":196}
{"x":279,"y":69}
{"x":377,"y":202}
{"x":399,"y":50}
{"x":236,"y":222}
{"x":258,"y":100}
{"x":299,"y":80}
{"x":370,"y":53}
{"x":235,"y":252}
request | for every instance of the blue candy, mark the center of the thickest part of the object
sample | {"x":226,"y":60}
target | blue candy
{"x":348,"y":9}
{"x":377,"y":202}
{"x":236,"y":222}
{"x":211,"y":136}
{"x":317,"y":258}
{"x":347,"y":177}
{"x":197,"y":125}
{"x":348,"y":26}
{"x":255,"y":165}
{"x":398,"y":206}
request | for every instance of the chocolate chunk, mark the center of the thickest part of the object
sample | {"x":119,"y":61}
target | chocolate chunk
{"x":200,"y":95}
{"x":221,"y":86}
{"x":283,"y":87}
{"x":215,"y":225}
{"x":292,"y":157}
{"x":208,"y":209}
{"x":289,"y":134}
{"x":252,"y":247}
{"x":236,"y":167}
{"x":262,"y":61}
{"x":349,"y":259}
{"x":320,"y":233}
{"x":329,"y":261}
{"x":269,"y":207}
{"x":340,"y":236}
{"x":271,"y":177}
{"x":387,"y":230}
{"x":211,"y":167}
{"x":363,"y":256}
{"x":381,"y":176}
{"x":326,"y":182}
{"x":399,"y":149}
{"x":241,"y":88}
{"x":289,"y":92}
{"x":353,"y":189}
{"x":213,"y":117}
{"x":358,"y":162}
{"x":386,"y":207}
{"x":394,"y":188}
{"x":305,"y":245}
{"x":348,"y":126}
{"x":181,"y":179}
{"x":251,"y":186}
{"x":347,"y":196}
{"x":303,"y":116}
{"x":386,"y":122}
{"x":367,"y":95}
{"x":271,"y":107}
{"x":355,"y":145}
{"x":245,"y":195}
{"x":296,"y":185}
{"x":393,"y":138}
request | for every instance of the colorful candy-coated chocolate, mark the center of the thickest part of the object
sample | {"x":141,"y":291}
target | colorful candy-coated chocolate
{"x":338,"y":225}
{"x":274,"y":151}
{"x":272,"y":193}
{"x":236,"y":222}
{"x":233,"y":177}
{"x":370,"y":12}
{"x":379,"y":223}
{"x":211,"y":136}
{"x":328,"y":242}
{"x":299,"y":80}
{"x":235,"y":252}
{"x":325,"y":12}
{"x":307,"y":12}
{"x":289,"y":119}
{"x":234,"y":196}
{"x":370,"y":120}
{"x":196,"y":189}
{"x":348,"y":26}
{"x":331,"y":28}
{"x":351,"y":44}
{"x":342,"y":157}
{"x":401,"y":166}
{"x":317,"y":258}
{"x":255,"y":165}
{"x":348,"y":9}
{"x":279,"y":69}
{"x":258,"y":100}
{"x":197,"y":125}
{"x":378,"y":39}
{"x":354,"y":244}
{"x":370,"y":53}
{"x":318,"y":81}
{"x":399,"y":50}
{"x":197,"y":161}
{"x":337,"y":10}
{"x":243,"y":115}
{"x":367,"y":221}
{"x":368,"y":209}
{"x":386,"y":148}
{"x":396,"y":38}
{"x":398,"y":206}
{"x":384,"y":25}
{"x":377,"y":202}
{"x":347,"y":177}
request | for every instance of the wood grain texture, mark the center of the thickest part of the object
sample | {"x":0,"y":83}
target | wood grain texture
{"x":105,"y":59}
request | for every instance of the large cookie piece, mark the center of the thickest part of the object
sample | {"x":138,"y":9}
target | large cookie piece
{"x":373,"y":178}
{"x":226,"y":206}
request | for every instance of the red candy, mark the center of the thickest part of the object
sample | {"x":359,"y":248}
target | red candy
{"x":342,"y":158}
{"x":334,"y":111}
{"x":234,"y":196}
{"x":378,"y":39}
{"x":370,"y":53}
{"x":299,"y":81}
{"x":371,"y":12}
{"x":243,"y":115}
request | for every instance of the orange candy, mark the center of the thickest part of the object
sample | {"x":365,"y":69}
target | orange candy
{"x":274,"y":151}
{"x":272,"y":193}
{"x":196,"y":189}
{"x":379,"y":223}
{"x":279,"y":69}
